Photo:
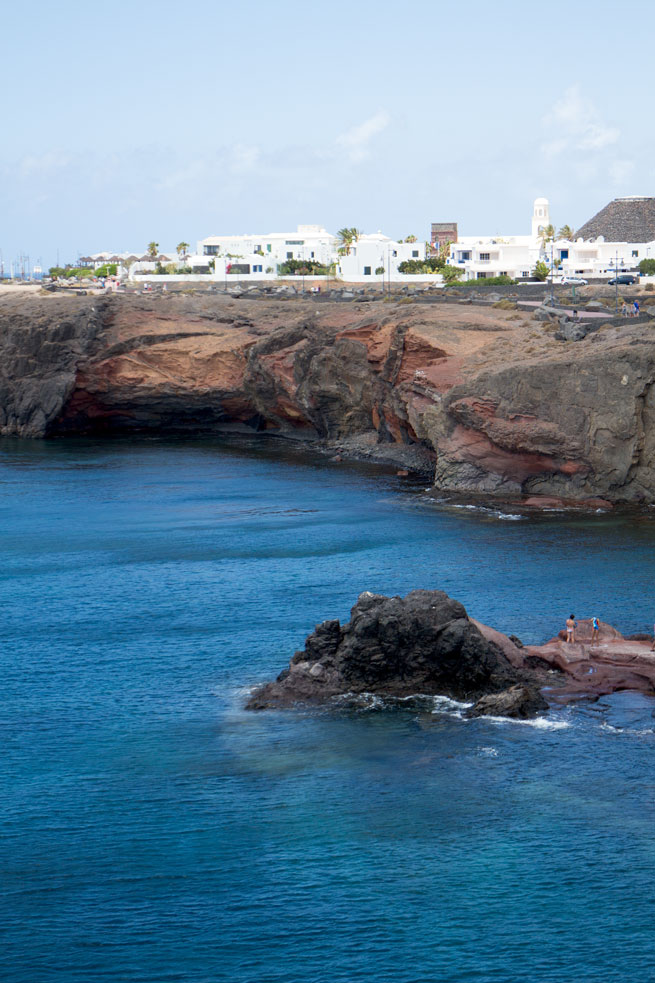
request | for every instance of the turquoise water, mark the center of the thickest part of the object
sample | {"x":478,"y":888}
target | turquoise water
{"x":153,"y":831}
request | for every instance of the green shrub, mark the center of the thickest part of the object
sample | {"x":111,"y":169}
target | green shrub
{"x":451,"y":274}
{"x":68,"y":271}
{"x":300,"y":267}
{"x":379,"y":270}
{"x":541,"y":271}
{"x":492,"y":281}
{"x":647,"y":267}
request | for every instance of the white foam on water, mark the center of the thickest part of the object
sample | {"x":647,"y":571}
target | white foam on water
{"x":539,"y":723}
{"x":632,"y":731}
{"x":489,"y":752}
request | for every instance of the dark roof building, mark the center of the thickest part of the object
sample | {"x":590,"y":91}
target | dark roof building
{"x":442,"y":233}
{"x":623,"y":220}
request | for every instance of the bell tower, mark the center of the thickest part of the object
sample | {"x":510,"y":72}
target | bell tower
{"x":540,"y":216}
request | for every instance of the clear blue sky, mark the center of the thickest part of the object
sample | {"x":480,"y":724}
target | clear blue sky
{"x":123,"y":123}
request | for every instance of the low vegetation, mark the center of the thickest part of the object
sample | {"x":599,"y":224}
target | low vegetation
{"x":490,"y":281}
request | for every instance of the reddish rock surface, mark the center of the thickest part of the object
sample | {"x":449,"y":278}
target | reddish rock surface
{"x":484,"y":399}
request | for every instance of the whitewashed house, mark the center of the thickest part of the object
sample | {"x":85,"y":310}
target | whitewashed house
{"x":514,"y":256}
{"x":375,"y":255}
{"x":262,"y":253}
{"x":617,"y":238}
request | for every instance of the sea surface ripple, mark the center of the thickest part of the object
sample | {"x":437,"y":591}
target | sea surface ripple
{"x":152,"y":830}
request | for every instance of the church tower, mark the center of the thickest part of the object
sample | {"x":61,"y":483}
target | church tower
{"x":540,"y":216}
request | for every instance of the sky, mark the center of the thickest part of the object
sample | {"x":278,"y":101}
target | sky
{"x":126,"y":123}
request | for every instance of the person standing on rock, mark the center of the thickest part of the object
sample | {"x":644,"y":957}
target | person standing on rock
{"x":594,"y":630}
{"x":570,"y":629}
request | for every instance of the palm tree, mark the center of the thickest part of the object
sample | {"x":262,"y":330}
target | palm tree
{"x":410,"y":239}
{"x":153,"y":249}
{"x":181,"y":249}
{"x":546,"y":234}
{"x":346,"y":238}
{"x":566,"y":232}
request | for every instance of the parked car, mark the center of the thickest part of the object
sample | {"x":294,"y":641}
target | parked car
{"x":624,"y":278}
{"x":573,"y":281}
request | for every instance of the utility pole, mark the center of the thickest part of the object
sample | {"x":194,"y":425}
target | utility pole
{"x":616,"y":282}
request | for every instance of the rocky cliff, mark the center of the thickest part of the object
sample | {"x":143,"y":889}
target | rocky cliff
{"x":489,"y":401}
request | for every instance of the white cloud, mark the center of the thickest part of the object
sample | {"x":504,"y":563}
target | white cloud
{"x":574,"y":123}
{"x":356,"y":141}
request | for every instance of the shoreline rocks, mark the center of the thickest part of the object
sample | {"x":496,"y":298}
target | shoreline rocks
{"x":424,"y":643}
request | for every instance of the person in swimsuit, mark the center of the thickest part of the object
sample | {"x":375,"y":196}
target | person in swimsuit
{"x":594,"y":630}
{"x":570,"y":628}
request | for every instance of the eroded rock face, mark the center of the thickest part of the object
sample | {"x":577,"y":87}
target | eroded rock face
{"x":422,"y":643}
{"x":485,"y":401}
{"x":41,"y":346}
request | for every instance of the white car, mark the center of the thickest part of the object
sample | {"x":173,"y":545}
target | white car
{"x":573,"y":281}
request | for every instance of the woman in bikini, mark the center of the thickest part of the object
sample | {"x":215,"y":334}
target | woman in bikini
{"x":594,"y":630}
{"x":570,"y":629}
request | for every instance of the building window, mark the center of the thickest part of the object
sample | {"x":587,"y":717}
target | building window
{"x":311,"y":255}
{"x":484,"y":256}
{"x":289,"y":255}
{"x":395,"y":252}
{"x":503,"y":273}
{"x":482,"y":276}
{"x":268,"y":247}
{"x":257,"y":249}
{"x":525,"y":273}
{"x":635,"y":252}
{"x":415,"y":253}
{"x":563,"y":254}
{"x":257,"y":269}
{"x":211,"y":250}
{"x":367,"y":271}
{"x":294,"y":242}
{"x":465,"y":256}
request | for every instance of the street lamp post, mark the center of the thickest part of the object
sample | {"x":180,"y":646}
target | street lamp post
{"x":552,"y":271}
{"x":616,"y":283}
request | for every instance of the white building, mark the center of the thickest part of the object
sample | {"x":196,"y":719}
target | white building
{"x":513,"y":256}
{"x":617,"y":238}
{"x":264,"y":252}
{"x":376,"y":255}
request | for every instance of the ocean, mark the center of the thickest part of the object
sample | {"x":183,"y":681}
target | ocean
{"x":152,"y":830}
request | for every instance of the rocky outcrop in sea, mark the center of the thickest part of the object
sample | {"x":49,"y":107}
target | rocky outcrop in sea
{"x":421,"y":644}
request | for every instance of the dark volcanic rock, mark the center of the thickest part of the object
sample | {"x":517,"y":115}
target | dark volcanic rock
{"x":518,"y":701}
{"x":422,"y":643}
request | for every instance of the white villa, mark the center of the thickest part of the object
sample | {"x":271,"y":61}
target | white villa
{"x":259,"y":255}
{"x":262,"y":253}
{"x":617,"y":238}
{"x":377,"y":256}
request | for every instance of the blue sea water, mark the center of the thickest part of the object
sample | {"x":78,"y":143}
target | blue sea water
{"x":151,"y":830}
